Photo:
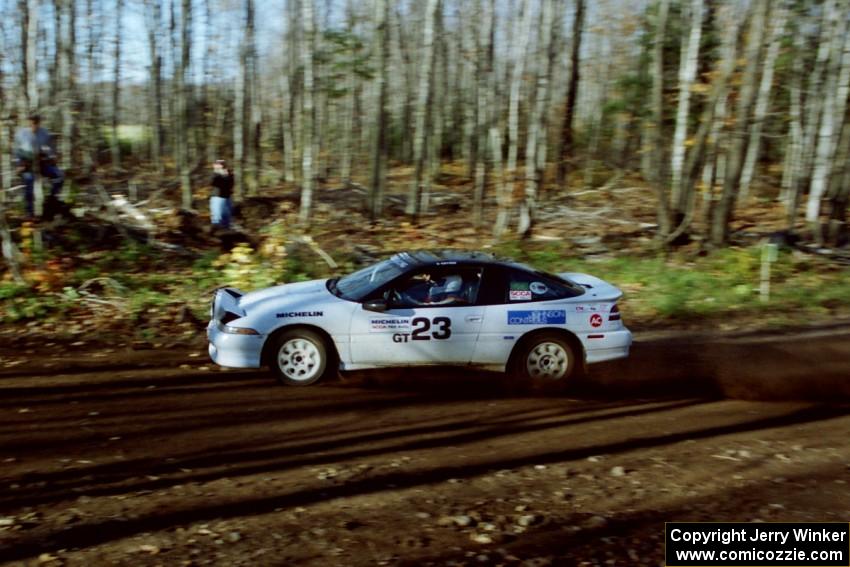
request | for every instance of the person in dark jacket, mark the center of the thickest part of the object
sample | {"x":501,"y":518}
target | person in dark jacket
{"x":34,"y":155}
{"x":222,"y":190}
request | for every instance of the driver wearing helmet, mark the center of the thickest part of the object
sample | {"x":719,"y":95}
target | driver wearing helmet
{"x":446,"y":290}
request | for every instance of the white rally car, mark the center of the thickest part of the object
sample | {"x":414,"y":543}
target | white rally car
{"x":422,"y":308}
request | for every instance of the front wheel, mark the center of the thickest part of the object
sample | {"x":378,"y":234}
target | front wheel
{"x":546,"y":358}
{"x":298,"y":357}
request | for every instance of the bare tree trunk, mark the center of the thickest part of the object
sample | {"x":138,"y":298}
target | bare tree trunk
{"x":380,"y":148}
{"x":253,"y":110}
{"x":407,"y":93}
{"x":777,"y":21}
{"x":657,"y":136}
{"x":485,"y":78}
{"x":839,"y":191}
{"x":835,"y":103}
{"x":812,"y":111}
{"x":153,"y":15}
{"x":537,"y":124}
{"x":30,"y":44}
{"x":239,"y":112}
{"x":30,"y":78}
{"x":722,"y":215}
{"x":66,"y":64}
{"x":794,"y":148}
{"x":687,"y":74}
{"x":351,"y":94}
{"x":567,"y":136}
{"x":436,"y":114}
{"x":468,"y":69}
{"x":519,"y":47}
{"x":423,"y":108}
{"x":91,"y":129}
{"x":288,"y":126}
{"x":8,"y":249}
{"x":5,"y":149}
{"x":308,"y":137}
{"x":115,"y":147}
{"x":183,"y":110}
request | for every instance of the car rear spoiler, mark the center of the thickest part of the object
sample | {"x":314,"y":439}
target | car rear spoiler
{"x":597,"y":289}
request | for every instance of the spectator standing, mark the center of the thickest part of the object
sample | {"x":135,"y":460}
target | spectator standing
{"x":221,"y":209}
{"x":35,"y":155}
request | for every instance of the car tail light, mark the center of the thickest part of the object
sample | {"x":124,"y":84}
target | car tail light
{"x":615,"y":313}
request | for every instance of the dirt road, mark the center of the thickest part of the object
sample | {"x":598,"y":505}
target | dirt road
{"x":162,"y":459}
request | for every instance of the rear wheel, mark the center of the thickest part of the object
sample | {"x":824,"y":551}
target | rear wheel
{"x":544,"y":359}
{"x":299,"y":357}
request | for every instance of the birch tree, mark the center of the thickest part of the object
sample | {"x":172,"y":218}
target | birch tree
{"x":657,"y":134}
{"x":153,"y":21}
{"x":239,"y":111}
{"x":521,"y":34}
{"x":687,"y":74}
{"x":65,"y":46}
{"x":794,"y":147}
{"x":836,"y":89}
{"x":308,"y":134}
{"x":380,"y":149}
{"x":423,"y":108}
{"x":484,"y":101}
{"x":252,"y":112}
{"x":722,"y":214}
{"x":706,"y":147}
{"x":537,"y":122}
{"x":777,"y":28}
{"x":5,"y":139}
{"x":183,"y":105}
{"x":30,"y":9}
{"x":114,"y":146}
{"x":811,"y":113}
{"x":567,"y":146}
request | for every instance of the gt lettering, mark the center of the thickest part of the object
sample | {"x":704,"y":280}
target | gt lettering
{"x":420,"y":327}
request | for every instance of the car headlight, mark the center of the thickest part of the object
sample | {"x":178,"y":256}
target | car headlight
{"x":237,"y":330}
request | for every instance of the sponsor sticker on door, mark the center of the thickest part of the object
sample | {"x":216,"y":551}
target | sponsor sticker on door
{"x":537,"y":317}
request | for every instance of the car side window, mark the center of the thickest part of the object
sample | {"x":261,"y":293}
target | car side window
{"x":437,"y":287}
{"x":526,"y":287}
{"x":493,"y":287}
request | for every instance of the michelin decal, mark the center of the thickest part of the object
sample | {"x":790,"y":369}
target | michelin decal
{"x":389,"y":324}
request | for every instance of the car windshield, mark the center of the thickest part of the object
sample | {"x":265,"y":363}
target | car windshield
{"x":358,"y":285}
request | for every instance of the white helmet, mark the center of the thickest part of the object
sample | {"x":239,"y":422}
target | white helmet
{"x":450,"y":284}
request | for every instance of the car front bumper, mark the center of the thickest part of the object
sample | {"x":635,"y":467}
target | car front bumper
{"x":234,"y":351}
{"x":609,"y":345}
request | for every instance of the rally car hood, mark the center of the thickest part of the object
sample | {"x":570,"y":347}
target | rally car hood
{"x":595,"y":288}
{"x":300,"y":292}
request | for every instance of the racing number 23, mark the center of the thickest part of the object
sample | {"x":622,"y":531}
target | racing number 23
{"x":421,"y":325}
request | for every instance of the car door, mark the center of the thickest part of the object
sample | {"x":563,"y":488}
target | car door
{"x":518,"y":301}
{"x":421,"y":325}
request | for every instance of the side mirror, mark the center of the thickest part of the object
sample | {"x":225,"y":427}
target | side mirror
{"x":377,"y":305}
